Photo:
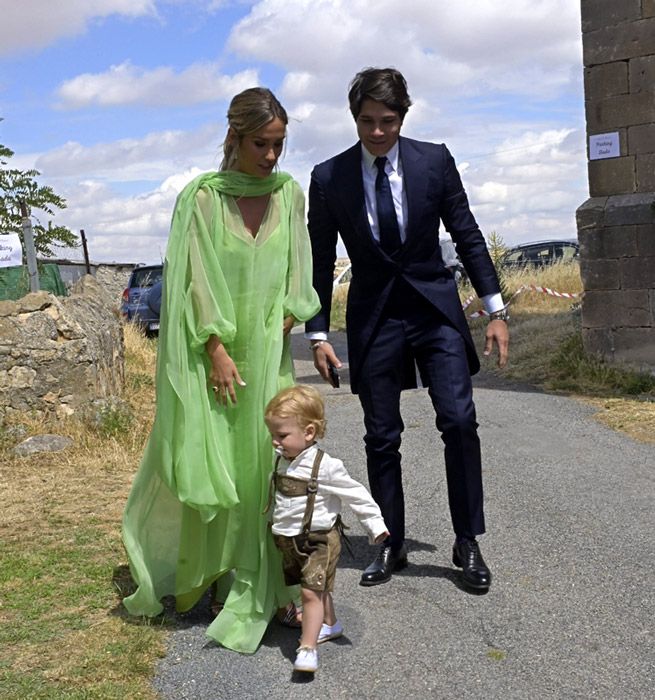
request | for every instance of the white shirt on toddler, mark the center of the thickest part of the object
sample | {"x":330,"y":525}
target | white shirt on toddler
{"x":335,"y":487}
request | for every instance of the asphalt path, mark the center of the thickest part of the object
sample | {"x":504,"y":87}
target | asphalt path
{"x":571,"y":609}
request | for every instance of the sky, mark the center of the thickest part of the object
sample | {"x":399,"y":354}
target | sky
{"x":119,"y":103}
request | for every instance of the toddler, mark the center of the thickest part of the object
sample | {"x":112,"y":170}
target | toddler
{"x":310,"y":487}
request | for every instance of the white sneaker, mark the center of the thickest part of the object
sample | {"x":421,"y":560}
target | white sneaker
{"x":329,"y":632}
{"x":306,"y":660}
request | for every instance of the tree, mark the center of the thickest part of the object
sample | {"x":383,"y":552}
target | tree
{"x":497,"y":251}
{"x":20,"y":185}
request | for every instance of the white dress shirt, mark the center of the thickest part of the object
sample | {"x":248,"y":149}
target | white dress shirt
{"x":335,"y":487}
{"x":394,"y":170}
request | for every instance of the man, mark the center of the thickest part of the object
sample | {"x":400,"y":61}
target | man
{"x":386,"y":196}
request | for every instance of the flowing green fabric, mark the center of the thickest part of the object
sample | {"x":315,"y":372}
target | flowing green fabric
{"x":195,"y":511}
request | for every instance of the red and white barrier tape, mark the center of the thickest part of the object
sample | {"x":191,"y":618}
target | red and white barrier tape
{"x":520,"y":290}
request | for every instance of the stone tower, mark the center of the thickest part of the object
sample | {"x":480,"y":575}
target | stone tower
{"x":616,"y":226}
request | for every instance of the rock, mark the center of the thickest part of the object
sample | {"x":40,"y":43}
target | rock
{"x":42,"y":443}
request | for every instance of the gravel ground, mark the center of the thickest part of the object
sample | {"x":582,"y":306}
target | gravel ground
{"x":570,"y":612}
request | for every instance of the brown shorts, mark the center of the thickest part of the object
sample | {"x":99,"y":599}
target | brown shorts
{"x":310,"y":561}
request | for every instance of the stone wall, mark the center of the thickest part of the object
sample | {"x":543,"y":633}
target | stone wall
{"x":60,"y":353}
{"x":616,"y":226}
{"x":114,"y":279}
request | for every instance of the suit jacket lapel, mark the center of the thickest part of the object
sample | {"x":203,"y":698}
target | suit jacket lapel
{"x":351,"y":187}
{"x":415,"y":180}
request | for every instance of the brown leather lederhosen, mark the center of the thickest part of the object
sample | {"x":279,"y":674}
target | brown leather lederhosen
{"x":318,"y":575}
{"x":291,"y":486}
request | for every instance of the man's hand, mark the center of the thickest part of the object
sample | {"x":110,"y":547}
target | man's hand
{"x":497,"y":332}
{"x":323,"y":354}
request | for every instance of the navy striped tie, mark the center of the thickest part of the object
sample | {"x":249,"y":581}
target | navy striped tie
{"x":387,"y":221}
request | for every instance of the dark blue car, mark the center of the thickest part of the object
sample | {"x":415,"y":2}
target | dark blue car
{"x":541,"y":253}
{"x":137,"y":306}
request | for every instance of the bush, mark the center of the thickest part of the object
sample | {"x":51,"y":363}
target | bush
{"x":108,"y":417}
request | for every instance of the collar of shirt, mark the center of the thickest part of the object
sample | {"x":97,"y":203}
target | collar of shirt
{"x":392,"y":157}
{"x":306,"y":453}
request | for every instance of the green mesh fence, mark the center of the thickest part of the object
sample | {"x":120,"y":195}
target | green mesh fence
{"x":15,"y":282}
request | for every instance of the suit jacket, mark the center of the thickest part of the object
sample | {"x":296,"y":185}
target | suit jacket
{"x":434,"y":193}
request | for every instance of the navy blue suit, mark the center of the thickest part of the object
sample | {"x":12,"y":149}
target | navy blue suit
{"x":405,"y":309}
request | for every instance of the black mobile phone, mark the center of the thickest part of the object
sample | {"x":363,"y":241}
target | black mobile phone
{"x":334,"y":375}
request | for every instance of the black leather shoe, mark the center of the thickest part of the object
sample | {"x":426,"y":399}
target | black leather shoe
{"x":466,"y":555}
{"x":383,"y":566}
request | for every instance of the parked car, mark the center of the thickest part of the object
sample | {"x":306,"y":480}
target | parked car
{"x":448,"y":253}
{"x":451,"y":260}
{"x":135,"y":306}
{"x":540,"y":253}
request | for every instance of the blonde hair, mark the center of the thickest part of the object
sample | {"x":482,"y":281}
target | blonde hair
{"x":301,"y":402}
{"x":249,"y":111}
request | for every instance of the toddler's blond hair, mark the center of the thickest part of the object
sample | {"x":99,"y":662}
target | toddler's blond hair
{"x":301,"y":402}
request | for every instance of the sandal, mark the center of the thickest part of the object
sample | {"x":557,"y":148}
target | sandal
{"x":215,"y":606}
{"x":290,"y":616}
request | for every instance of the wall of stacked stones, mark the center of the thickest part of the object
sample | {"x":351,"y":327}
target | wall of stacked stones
{"x":616,"y":226}
{"x":61,"y":353}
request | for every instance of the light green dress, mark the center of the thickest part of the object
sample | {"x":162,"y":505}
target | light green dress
{"x":196,"y":509}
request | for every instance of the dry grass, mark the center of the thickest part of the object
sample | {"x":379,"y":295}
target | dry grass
{"x":546,"y":349}
{"x":561,"y":277}
{"x":62,"y":629}
{"x":338,"y":315}
{"x":635,"y":418}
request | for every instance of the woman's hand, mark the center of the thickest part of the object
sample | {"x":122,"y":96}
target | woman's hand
{"x":223,"y":372}
{"x":288,"y":325}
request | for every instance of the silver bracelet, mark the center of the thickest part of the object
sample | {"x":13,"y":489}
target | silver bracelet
{"x":500,"y":315}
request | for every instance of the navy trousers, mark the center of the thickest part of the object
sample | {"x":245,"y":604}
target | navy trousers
{"x":409,"y":321}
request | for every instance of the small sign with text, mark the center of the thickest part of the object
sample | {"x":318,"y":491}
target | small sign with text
{"x":604,"y":146}
{"x":11,"y":251}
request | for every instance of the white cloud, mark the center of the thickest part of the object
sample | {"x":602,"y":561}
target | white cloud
{"x":467,"y":65}
{"x":33,"y":24}
{"x":152,"y":157}
{"x":519,"y":46}
{"x":119,"y":228}
{"x":126,"y":84}
{"x":530,"y":187}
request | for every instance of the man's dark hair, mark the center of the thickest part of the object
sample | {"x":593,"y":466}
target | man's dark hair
{"x":386,"y":85}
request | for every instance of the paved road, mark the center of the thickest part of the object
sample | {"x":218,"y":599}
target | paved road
{"x":571,"y":610}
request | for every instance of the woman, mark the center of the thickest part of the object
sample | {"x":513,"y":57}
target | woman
{"x":237,"y":277}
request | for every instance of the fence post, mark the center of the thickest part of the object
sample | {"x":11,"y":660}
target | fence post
{"x":30,"y":252}
{"x":86,"y":252}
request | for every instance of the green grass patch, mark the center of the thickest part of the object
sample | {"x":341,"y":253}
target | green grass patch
{"x":575,"y":370}
{"x":496,"y":654}
{"x":63,"y":570}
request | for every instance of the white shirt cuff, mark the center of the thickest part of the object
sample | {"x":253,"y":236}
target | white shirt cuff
{"x":316,"y":335}
{"x":492,"y":302}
